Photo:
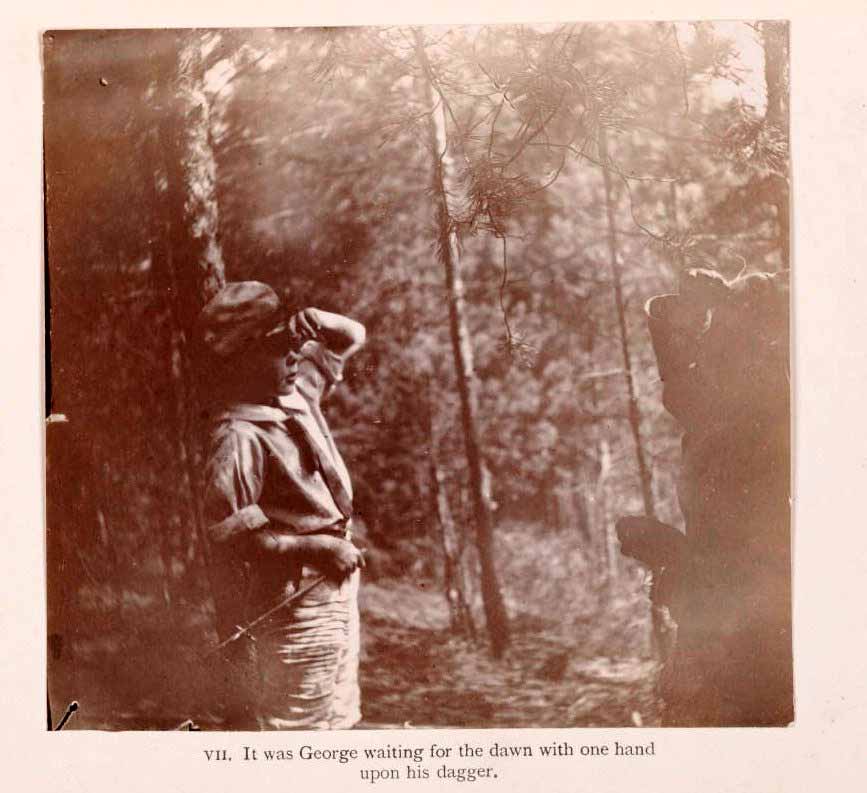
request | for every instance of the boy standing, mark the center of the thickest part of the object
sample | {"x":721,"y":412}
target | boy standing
{"x":278,"y":503}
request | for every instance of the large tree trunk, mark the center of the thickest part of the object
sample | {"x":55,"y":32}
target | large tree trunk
{"x":190,"y":185}
{"x":775,"y":37}
{"x":449,"y":253}
{"x":187,"y":261}
{"x":634,"y":412}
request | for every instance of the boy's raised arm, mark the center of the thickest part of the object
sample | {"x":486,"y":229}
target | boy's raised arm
{"x":340,"y":334}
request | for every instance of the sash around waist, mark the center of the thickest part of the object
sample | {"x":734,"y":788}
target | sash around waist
{"x":283,"y":520}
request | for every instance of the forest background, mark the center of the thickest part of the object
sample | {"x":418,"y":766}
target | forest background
{"x":496,"y":204}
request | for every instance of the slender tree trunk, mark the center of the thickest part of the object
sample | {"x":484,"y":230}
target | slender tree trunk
{"x":603,"y":519}
{"x":584,"y":498}
{"x":560,"y":496}
{"x":454,"y":573}
{"x":678,"y":258}
{"x":775,"y":38}
{"x":449,"y":254}
{"x":634,"y":412}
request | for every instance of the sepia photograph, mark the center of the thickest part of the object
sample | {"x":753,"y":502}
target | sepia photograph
{"x":411,"y":377}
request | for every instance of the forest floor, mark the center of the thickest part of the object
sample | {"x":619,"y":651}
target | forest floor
{"x":148,"y":671}
{"x":415,"y":672}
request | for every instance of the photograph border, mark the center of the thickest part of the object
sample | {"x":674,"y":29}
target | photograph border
{"x":826,"y":744}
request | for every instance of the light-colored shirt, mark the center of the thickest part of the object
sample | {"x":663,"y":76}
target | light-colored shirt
{"x":262,"y":470}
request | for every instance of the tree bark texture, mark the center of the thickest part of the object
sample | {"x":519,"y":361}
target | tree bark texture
{"x":454,"y":573}
{"x":187,"y":260}
{"x":190,"y":182}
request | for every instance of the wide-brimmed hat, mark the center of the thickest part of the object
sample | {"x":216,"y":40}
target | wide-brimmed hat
{"x":240,"y":314}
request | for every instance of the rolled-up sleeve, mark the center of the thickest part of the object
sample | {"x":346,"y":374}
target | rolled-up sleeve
{"x":233,"y":483}
{"x":330,"y":363}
